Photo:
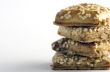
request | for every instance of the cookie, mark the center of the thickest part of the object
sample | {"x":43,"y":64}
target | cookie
{"x":85,"y":34}
{"x":83,"y":15}
{"x":63,"y":62}
{"x":69,"y":47}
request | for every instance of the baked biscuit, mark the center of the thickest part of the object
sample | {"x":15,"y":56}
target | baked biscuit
{"x":63,"y":62}
{"x":69,"y":47}
{"x":83,"y":15}
{"x":85,"y":34}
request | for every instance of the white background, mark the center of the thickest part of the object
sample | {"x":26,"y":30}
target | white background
{"x":27,"y":31}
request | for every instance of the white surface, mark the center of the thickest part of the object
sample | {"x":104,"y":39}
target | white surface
{"x":27,"y":31}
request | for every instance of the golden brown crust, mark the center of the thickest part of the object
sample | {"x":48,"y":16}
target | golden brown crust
{"x":63,"y":62}
{"x":83,"y":15}
{"x":85,"y":34}
{"x":69,"y":47}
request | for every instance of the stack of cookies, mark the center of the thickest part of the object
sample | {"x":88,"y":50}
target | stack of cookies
{"x":86,"y":31}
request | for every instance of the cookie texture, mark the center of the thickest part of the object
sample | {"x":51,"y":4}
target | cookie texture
{"x":86,"y":43}
{"x":83,"y":15}
{"x":85,"y":34}
{"x":63,"y":62}
{"x":69,"y":47}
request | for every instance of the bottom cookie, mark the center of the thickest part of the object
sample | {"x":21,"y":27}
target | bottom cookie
{"x":62,"y":62}
{"x":60,"y":67}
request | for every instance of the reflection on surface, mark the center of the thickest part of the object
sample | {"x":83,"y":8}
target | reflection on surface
{"x":36,"y":67}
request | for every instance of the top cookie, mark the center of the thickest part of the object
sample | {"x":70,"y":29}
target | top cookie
{"x":83,"y":15}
